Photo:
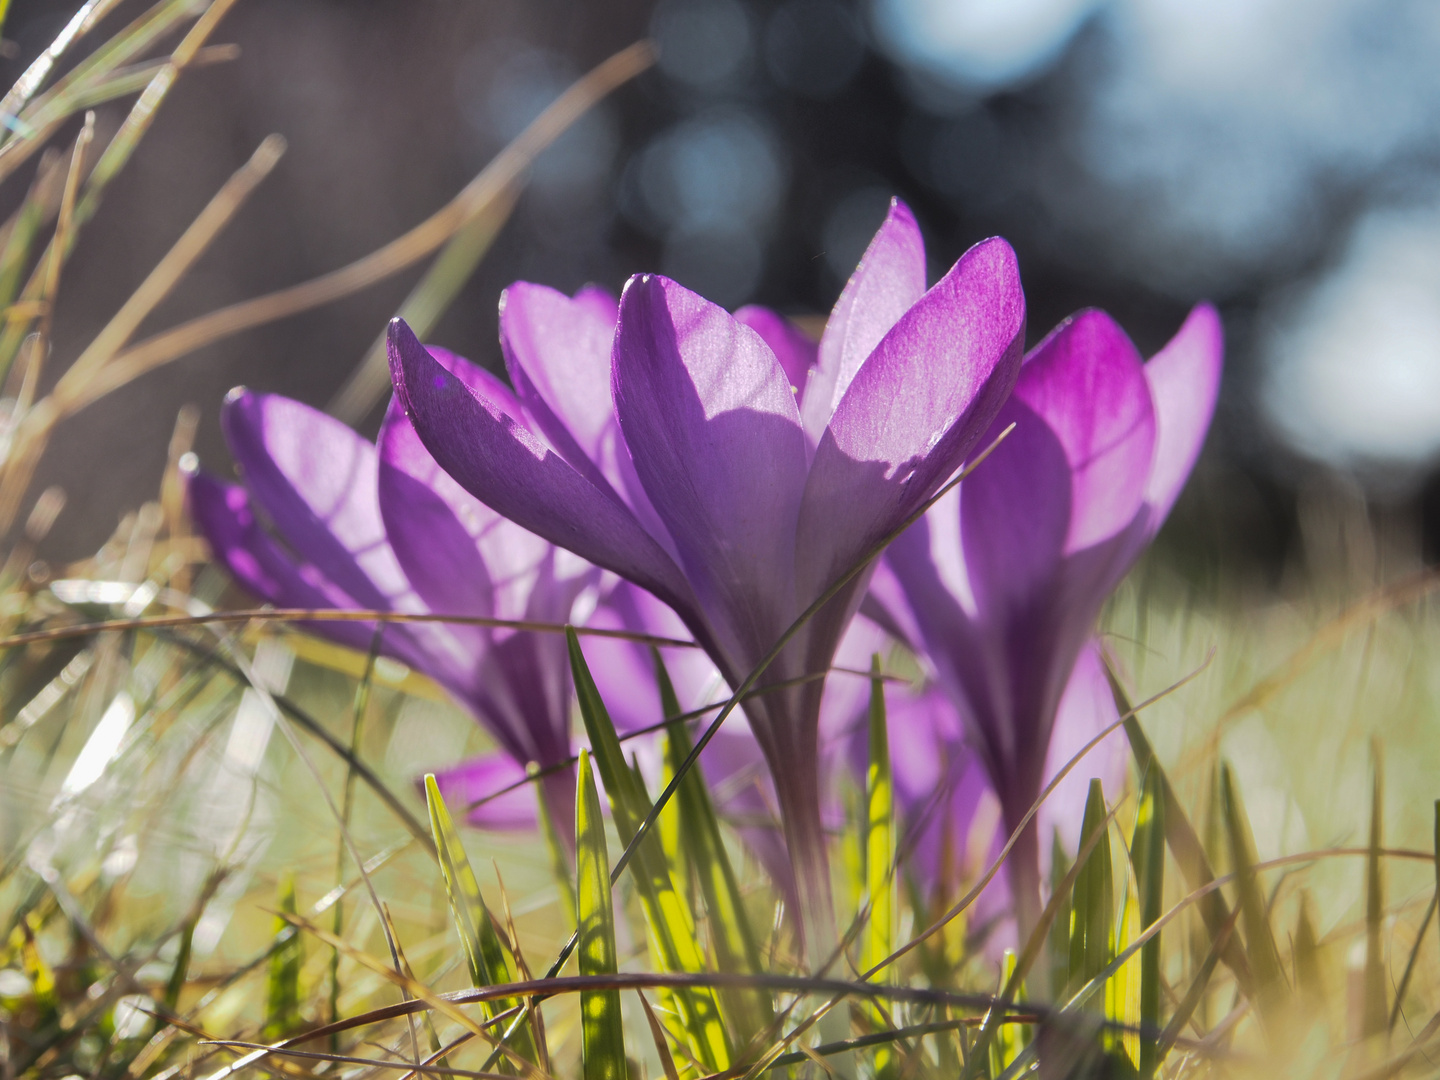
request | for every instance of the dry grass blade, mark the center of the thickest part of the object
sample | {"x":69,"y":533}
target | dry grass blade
{"x":657,"y":1035}
{"x":406,"y":250}
{"x":88,"y":15}
{"x":425,"y":1067}
{"x":163,"y":622}
{"x":36,"y":426}
{"x":64,"y":228}
{"x":218,"y":213}
{"x":423,"y":995}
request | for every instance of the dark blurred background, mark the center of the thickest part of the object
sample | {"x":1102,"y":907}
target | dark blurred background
{"x":1279,"y":157}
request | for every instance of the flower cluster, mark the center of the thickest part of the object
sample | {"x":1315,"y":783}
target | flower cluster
{"x":742,"y":480}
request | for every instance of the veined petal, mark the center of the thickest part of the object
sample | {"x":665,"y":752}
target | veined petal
{"x":492,"y":454}
{"x":315,"y":479}
{"x":460,"y":555}
{"x":888,"y":281}
{"x":223,"y":515}
{"x":715,"y":436}
{"x":1086,"y":383}
{"x":432,"y":523}
{"x":913,"y":413}
{"x":1184,"y":380}
{"x":795,"y":351}
{"x":557,"y":351}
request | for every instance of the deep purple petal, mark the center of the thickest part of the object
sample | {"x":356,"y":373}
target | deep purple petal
{"x":1014,"y":517}
{"x":913,"y":412}
{"x":492,"y":454}
{"x":792,"y":347}
{"x":1085,"y":381}
{"x":1184,"y":380}
{"x":315,"y":479}
{"x":715,"y":435}
{"x":886,"y":284}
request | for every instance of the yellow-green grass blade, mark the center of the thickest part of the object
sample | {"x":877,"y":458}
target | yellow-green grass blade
{"x":1259,"y":940}
{"x":1147,"y":852}
{"x":282,"y":985}
{"x":1009,"y":1039}
{"x":560,"y":862}
{"x":601,"y":1030}
{"x":1376,"y":1015}
{"x":1181,"y":838}
{"x":484,"y":954}
{"x":880,"y":885}
{"x":1092,"y":904}
{"x":879,"y":940}
{"x":1060,"y":928}
{"x":675,"y":943}
{"x":733,"y":938}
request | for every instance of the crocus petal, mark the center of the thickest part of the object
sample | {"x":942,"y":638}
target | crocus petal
{"x":1086,"y":709}
{"x":1184,"y":380}
{"x":223,"y":515}
{"x":432,"y":523}
{"x":491,"y":453}
{"x":1085,"y":381}
{"x":315,"y":479}
{"x":715,"y":435}
{"x":886,"y":284}
{"x":1015,"y":513}
{"x":479,"y":779}
{"x":914,"y":412}
{"x":795,"y":351}
{"x":624,"y":671}
{"x":557,"y":351}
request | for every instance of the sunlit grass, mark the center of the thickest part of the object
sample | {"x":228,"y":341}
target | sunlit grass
{"x":215,"y":831}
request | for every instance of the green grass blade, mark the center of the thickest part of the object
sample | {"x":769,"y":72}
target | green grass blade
{"x":880,"y":883}
{"x":1375,"y":1019}
{"x":484,"y":954}
{"x":736,"y":946}
{"x":1259,"y":940}
{"x":674,"y":941}
{"x":467,"y":907}
{"x":602,"y":1033}
{"x":1147,"y":851}
{"x":1060,"y":928}
{"x":1181,"y":838}
{"x":282,"y":985}
{"x":560,"y":861}
{"x":1092,"y":904}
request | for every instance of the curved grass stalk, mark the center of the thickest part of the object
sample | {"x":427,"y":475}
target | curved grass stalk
{"x":284,"y":615}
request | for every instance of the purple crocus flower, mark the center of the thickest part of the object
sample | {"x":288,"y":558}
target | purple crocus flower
{"x":679,"y":453}
{"x":1003,"y":580}
{"x":383,"y":527}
